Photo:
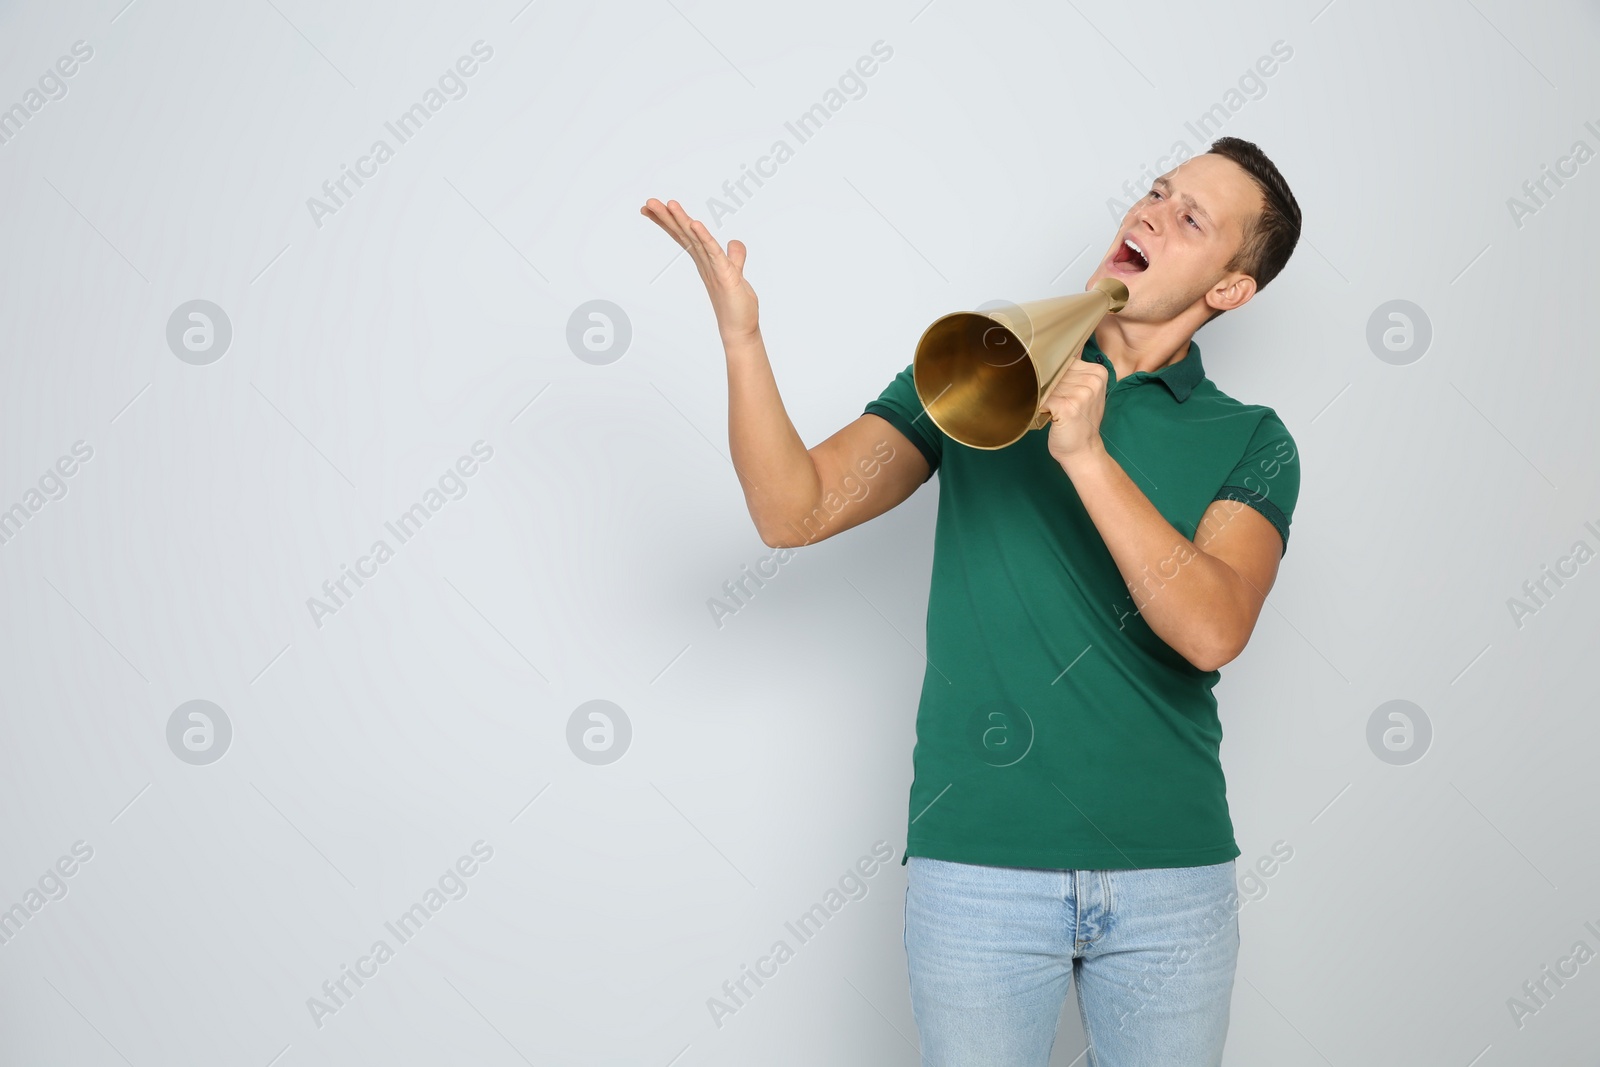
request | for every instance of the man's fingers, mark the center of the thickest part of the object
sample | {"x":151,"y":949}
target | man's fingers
{"x":672,"y":218}
{"x":659,"y":214}
{"x":700,"y":242}
{"x":721,"y":262}
{"x":713,"y":263}
{"x":680,"y":226}
{"x":676,"y":223}
{"x":656,"y":211}
{"x":1084,"y":375}
{"x":706,"y":240}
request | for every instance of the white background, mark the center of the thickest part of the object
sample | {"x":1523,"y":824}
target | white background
{"x":770,"y":753}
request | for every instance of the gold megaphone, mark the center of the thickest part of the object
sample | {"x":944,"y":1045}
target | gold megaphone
{"x":983,"y":376}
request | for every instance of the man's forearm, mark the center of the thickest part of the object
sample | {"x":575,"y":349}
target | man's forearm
{"x":772,"y":462}
{"x":1190,"y":599}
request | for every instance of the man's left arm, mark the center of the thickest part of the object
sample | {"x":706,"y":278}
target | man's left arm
{"x":1202,"y":597}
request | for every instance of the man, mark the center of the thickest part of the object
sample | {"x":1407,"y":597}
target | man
{"x":1068,"y":817}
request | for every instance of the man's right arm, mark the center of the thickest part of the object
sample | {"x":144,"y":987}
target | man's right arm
{"x":796,"y":496}
{"x":799,"y":496}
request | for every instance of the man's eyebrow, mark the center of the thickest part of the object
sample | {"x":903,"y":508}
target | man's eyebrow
{"x":1193,"y":204}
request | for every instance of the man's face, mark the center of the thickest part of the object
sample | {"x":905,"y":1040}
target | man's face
{"x":1188,"y":227}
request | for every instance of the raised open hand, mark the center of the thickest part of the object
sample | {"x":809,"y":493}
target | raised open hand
{"x":732,"y":298}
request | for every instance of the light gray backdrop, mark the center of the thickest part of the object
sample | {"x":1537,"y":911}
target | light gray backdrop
{"x":183,"y":878}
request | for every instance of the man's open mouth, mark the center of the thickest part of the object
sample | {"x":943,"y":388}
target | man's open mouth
{"x":1130,"y":257}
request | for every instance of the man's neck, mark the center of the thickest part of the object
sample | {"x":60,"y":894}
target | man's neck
{"x":1137,"y":346}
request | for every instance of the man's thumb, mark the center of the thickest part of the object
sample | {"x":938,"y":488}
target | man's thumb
{"x":736,"y":253}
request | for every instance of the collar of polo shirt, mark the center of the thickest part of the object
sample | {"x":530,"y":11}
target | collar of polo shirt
{"x":1180,"y":377}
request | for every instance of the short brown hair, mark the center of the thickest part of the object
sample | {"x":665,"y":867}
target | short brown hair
{"x":1270,"y":238}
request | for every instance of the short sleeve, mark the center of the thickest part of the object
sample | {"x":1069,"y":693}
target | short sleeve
{"x":1267,"y":477}
{"x":899,"y":405}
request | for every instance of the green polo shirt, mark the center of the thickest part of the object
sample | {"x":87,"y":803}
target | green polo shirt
{"x":1055,"y":728}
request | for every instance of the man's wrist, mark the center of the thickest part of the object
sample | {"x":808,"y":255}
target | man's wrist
{"x":1086,"y":460}
{"x":742,"y":341}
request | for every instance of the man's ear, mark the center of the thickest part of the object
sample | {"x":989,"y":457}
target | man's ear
{"x":1233,"y":290}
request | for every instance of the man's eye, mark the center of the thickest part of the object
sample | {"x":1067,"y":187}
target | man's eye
{"x":1189,"y":218}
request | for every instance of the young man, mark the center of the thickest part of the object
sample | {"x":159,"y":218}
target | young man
{"x":1068,"y":816}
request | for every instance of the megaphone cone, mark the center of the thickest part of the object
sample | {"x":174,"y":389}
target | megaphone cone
{"x":983,"y":376}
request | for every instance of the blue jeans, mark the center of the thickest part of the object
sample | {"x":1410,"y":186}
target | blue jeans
{"x":992,"y":950}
